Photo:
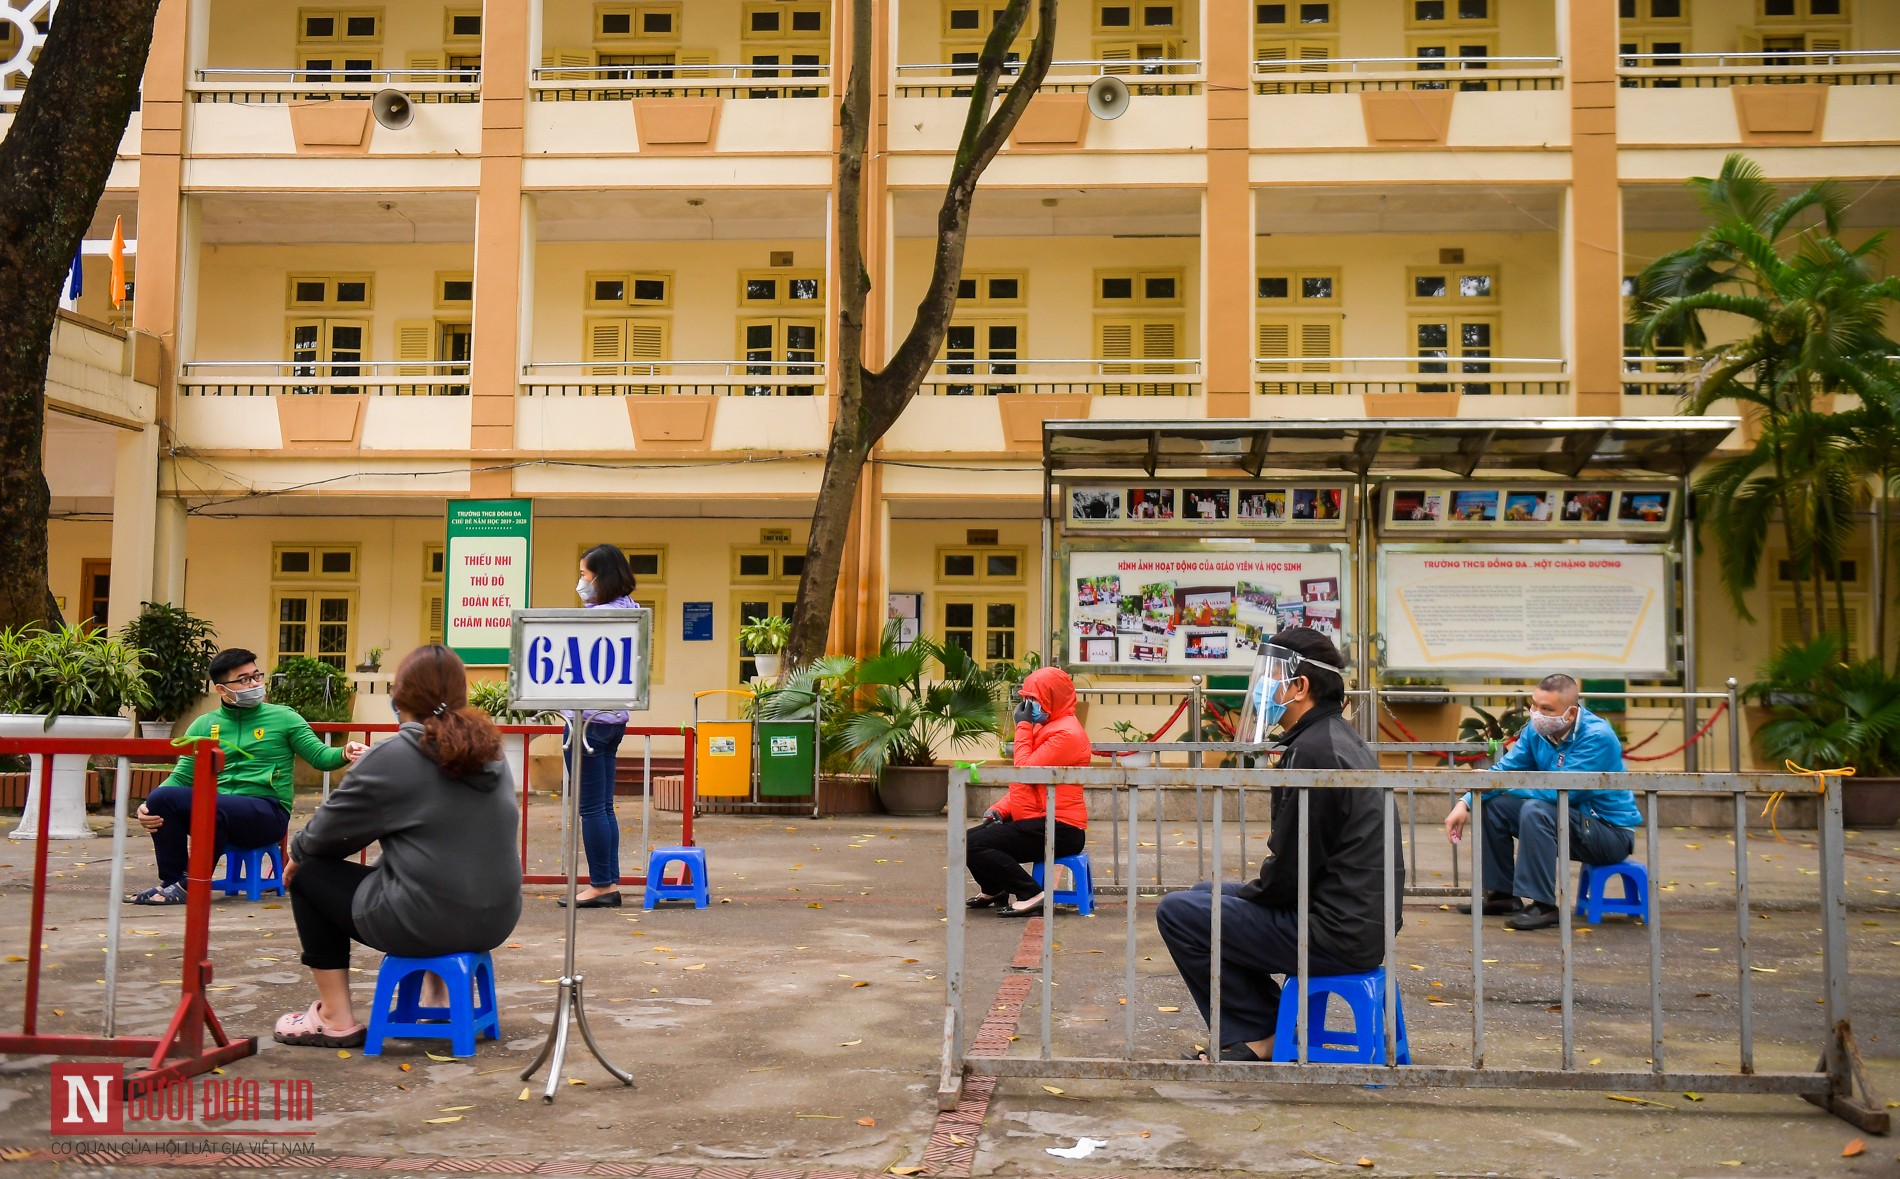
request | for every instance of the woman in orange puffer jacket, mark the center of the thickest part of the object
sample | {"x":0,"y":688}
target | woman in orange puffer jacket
{"x":1012,"y":832}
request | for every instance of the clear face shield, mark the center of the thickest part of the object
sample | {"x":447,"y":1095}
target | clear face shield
{"x":1273,"y":669}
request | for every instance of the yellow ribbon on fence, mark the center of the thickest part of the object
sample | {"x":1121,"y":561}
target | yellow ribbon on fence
{"x":1820,"y":787}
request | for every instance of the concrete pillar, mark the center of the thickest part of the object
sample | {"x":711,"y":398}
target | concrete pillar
{"x":495,"y":361}
{"x":168,"y":550}
{"x":1227,"y":216}
{"x":1593,"y":225}
{"x":134,"y":523}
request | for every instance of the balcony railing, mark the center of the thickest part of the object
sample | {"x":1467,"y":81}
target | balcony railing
{"x":1143,"y":76}
{"x":282,"y":86}
{"x":1171,"y":377}
{"x":1847,"y":67}
{"x":265,"y":378}
{"x":618,"y":83}
{"x":1340,"y":75}
{"x":1662,"y":376}
{"x":674,"y":378}
{"x":1328,"y":375}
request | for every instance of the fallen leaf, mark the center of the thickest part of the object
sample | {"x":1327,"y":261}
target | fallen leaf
{"x":524,"y":1093}
{"x":1693,"y":1096}
{"x":443,"y":1059}
{"x":441,"y":1121}
{"x":575,"y":1081}
{"x":697,"y":966}
{"x":813,"y":905}
{"x":1168,"y":1009}
{"x":867,"y":1121}
{"x":1415,"y":966}
{"x":1052,"y":1089}
{"x":57,"y":1011}
{"x":956,"y":1141}
{"x":405,"y":1067}
{"x":1854,"y":1148}
{"x":1764,"y":970}
{"x":1595,"y":1060}
{"x":13,"y":958}
{"x":1489,"y":961}
{"x":1729,"y":1163}
{"x":1145,"y":1133}
{"x":454,"y":1108}
{"x":1363,"y":1162}
{"x":859,"y":983}
{"x":907,"y":1170}
{"x":343,"y":1053}
{"x":1638,"y":1101}
{"x":852,"y":1043}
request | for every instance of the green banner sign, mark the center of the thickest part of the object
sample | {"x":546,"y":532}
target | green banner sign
{"x":486,"y":575}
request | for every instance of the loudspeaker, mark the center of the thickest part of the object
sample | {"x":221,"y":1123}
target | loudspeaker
{"x":1108,"y":97}
{"x":391,"y":109}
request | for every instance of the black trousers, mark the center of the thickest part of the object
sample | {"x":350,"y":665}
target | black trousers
{"x":997,"y":852}
{"x":320,"y":896}
{"x":1256,"y":943}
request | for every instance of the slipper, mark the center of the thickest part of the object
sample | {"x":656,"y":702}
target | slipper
{"x":1231,"y":1054}
{"x":159,"y":894}
{"x":303,"y":1029}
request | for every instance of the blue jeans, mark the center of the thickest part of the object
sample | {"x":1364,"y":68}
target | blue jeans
{"x":1532,"y":870}
{"x":600,"y":830}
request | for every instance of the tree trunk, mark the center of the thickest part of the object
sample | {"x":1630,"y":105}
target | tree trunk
{"x":870,"y":401}
{"x":1766,"y":380}
{"x":53,"y":168}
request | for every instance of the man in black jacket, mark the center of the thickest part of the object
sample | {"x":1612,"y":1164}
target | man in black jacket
{"x":1344,"y":862}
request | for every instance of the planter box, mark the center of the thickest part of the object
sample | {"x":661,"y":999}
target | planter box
{"x":320,"y":419}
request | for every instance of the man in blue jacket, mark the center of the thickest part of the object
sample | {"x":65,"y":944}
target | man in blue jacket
{"x":1561,"y":735}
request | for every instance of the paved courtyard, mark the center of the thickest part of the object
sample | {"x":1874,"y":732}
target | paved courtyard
{"x":794,"y":1027}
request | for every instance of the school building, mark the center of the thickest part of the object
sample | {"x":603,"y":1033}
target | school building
{"x":597,"y":269}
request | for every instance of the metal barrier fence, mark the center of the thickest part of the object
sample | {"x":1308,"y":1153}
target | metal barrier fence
{"x":1832,"y":1085}
{"x":180,"y":1052}
{"x":527,"y":734}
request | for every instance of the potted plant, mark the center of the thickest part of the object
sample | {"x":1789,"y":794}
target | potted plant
{"x":829,"y":683}
{"x":66,"y":682}
{"x":1489,"y":726}
{"x":178,"y":647}
{"x":1825,"y":713}
{"x":372,"y":662}
{"x":1131,"y":733}
{"x":765,"y":639}
{"x":491,"y":696}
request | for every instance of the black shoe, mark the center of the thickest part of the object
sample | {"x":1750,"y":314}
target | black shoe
{"x":606,"y":900}
{"x":980,"y":901}
{"x":1496,"y":904}
{"x":1010,"y":910}
{"x":1535,"y":915}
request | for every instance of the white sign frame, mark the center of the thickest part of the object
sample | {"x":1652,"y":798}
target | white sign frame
{"x":628,"y":631}
{"x":1668,"y":666}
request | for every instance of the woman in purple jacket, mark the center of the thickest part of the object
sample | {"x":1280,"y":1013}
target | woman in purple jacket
{"x":606,"y":583}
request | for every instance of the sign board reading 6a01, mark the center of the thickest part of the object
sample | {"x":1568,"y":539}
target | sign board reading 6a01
{"x":485,"y":574}
{"x":569,"y":658}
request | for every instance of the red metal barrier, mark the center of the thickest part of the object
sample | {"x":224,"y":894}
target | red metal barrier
{"x":528,"y":733}
{"x":184,"y":1035}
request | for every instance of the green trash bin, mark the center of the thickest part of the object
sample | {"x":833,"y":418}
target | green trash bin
{"x":786,"y":750}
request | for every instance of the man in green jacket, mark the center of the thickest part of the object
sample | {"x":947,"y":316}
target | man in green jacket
{"x":260,"y":743}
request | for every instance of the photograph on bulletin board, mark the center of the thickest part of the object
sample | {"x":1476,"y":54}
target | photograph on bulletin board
{"x":1092,"y":504}
{"x":1530,"y":507}
{"x":1643,"y":507}
{"x":1417,"y":505}
{"x":1151,"y":503}
{"x":1195,"y":608}
{"x":1318,"y":503}
{"x":1262,"y":506}
{"x":1586,"y":507}
{"x":1474,"y":506}
{"x":1206,"y":503}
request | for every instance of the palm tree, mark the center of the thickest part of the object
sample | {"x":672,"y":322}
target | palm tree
{"x":1814,"y":314}
{"x":1872,"y":433}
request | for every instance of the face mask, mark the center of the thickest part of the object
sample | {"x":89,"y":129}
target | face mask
{"x":247,"y":697}
{"x":1037,"y":714}
{"x":1550,"y":727}
{"x":585,"y":589}
{"x":1271,"y":708}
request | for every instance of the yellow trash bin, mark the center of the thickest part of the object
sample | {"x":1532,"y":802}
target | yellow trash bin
{"x":724,"y":754}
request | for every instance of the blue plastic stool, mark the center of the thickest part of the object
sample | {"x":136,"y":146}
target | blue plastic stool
{"x":1082,"y":896}
{"x":244,"y":871}
{"x":1362,"y":1043}
{"x":458,"y":1023}
{"x":697,"y":887}
{"x":1592,"y":901}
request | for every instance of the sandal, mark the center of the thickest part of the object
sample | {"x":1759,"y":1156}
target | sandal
{"x":159,"y":894}
{"x":305,"y":1029}
{"x":1231,"y":1054}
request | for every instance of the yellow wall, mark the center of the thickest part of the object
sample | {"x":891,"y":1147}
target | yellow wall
{"x":262,"y":34}
{"x":243,"y":292}
{"x":705,"y":313}
{"x":921,"y":42}
{"x":68,"y":543}
{"x":1061,"y":309}
{"x":1714,"y":24}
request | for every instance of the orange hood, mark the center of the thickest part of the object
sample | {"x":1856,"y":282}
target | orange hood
{"x":1053,"y":689}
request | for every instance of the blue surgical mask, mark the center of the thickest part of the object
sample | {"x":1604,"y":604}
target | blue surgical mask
{"x":1271,"y":709}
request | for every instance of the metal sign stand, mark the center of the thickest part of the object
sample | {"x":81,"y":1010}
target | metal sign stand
{"x":545,"y":660}
{"x":570,"y":996}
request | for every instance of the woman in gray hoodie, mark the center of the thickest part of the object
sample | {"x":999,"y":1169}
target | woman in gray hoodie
{"x":439,"y":799}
